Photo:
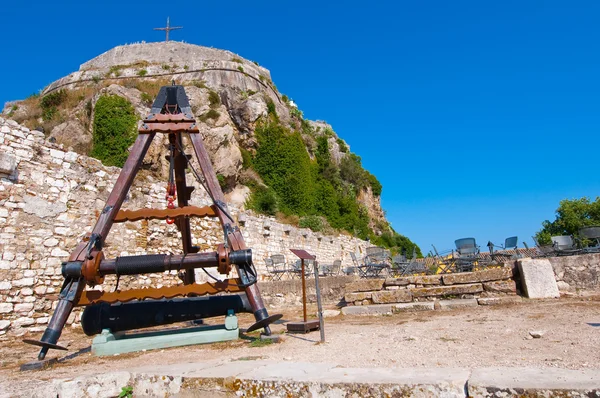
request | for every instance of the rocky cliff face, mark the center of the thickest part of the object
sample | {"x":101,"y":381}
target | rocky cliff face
{"x":227,"y":124}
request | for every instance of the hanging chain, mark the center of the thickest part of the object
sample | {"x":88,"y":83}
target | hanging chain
{"x":171,"y":190}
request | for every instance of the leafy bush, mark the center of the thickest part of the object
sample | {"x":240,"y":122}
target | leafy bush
{"x":283,"y":163}
{"x":376,"y":186}
{"x":263,"y":200}
{"x":142,"y":72}
{"x":210,"y":114}
{"x":214,"y":99}
{"x":53,"y":99}
{"x":146,"y":99}
{"x":285,"y":99}
{"x":114,"y":130}
{"x":240,"y":69}
{"x":342,"y":145}
{"x":271,"y":107}
{"x":222,"y":181}
{"x":315,"y":223}
{"x":236,"y":59}
{"x":397,"y":243}
{"x":166,"y":67}
{"x":246,"y":158}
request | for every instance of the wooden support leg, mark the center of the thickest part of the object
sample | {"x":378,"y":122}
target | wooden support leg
{"x":234,"y":237}
{"x":72,"y":289}
{"x":183,"y":196}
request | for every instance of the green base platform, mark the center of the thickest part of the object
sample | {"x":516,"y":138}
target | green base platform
{"x":108,"y":343}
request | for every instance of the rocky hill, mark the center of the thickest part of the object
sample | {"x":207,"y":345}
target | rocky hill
{"x":240,"y":114}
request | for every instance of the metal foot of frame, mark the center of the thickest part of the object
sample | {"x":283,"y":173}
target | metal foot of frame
{"x":264,"y":322}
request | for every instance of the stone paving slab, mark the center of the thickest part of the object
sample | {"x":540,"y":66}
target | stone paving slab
{"x":499,"y":300}
{"x":414,"y":306}
{"x":375,"y":309}
{"x":457,"y":304}
{"x":534,"y":382}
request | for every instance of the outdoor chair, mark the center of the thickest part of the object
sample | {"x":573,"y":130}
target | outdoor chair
{"x":564,"y":245}
{"x":468,"y":254}
{"x":399,"y":264}
{"x":543,"y":250}
{"x":355,"y":265}
{"x":591,"y":233}
{"x":277,"y":266}
{"x":333,"y":269}
{"x":414,"y":266}
{"x":375,"y":262}
{"x":510,"y":243}
{"x":295,"y":269}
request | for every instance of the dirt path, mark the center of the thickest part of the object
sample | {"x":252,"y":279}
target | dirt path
{"x":477,"y":337}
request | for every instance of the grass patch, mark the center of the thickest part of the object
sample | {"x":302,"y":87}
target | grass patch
{"x":236,"y":59}
{"x":214,"y":99}
{"x":260,"y":343}
{"x":211,"y":114}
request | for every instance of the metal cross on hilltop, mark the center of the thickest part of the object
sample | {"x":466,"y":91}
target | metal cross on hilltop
{"x":169,"y":28}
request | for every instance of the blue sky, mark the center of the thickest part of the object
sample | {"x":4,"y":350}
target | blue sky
{"x":477,"y":117}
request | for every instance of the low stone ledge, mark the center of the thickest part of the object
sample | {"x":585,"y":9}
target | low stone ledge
{"x":499,"y":300}
{"x":447,"y":290}
{"x":414,"y":280}
{"x":360,"y":296}
{"x":365,"y":285}
{"x":391,"y":296}
{"x":490,"y":274}
{"x":414,"y":306}
{"x":376,"y":309}
{"x":508,"y":286}
{"x":533,"y":382}
{"x":457,"y":304}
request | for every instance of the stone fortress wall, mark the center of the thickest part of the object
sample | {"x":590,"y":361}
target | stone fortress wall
{"x":49,"y":199}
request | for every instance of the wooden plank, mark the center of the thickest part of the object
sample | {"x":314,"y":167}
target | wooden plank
{"x":96,"y":296}
{"x":163,"y":214}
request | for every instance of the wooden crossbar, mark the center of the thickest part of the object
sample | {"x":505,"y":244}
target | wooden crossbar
{"x":195,"y":289}
{"x":163,"y":214}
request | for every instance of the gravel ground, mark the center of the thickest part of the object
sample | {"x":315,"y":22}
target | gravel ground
{"x":475,"y":337}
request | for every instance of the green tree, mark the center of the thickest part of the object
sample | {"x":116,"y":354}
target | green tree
{"x":570,"y":216}
{"x":114,"y":130}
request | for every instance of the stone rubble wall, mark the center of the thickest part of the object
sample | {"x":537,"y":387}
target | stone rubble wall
{"x":491,"y":282}
{"x":574,"y":273}
{"x":49,"y":199}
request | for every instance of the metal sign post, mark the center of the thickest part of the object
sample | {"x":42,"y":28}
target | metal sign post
{"x":306,"y":326}
{"x":319,"y":306}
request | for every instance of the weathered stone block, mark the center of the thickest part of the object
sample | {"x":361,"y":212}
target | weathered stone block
{"x":457,"y":304}
{"x":490,"y":274}
{"x":359,"y":296}
{"x":24,"y":307}
{"x":447,"y":290}
{"x":415,"y":306}
{"x":6,"y":308}
{"x":8,"y":163}
{"x":508,"y":286}
{"x":365,"y":285}
{"x":392,"y":296}
{"x":537,"y":278}
{"x":414,"y":280}
{"x":499,"y":300}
